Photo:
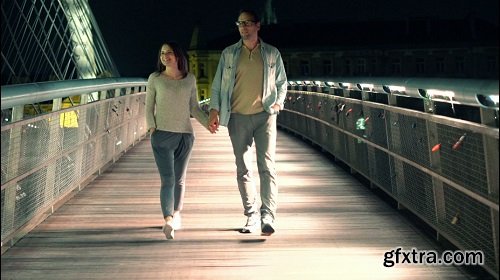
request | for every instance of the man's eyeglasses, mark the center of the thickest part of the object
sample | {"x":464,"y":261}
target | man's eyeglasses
{"x":245,"y":23}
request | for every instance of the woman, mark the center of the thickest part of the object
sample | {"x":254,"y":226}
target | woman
{"x":171,"y":99}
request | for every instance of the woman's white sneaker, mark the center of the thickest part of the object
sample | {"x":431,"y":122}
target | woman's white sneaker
{"x":176,"y":221}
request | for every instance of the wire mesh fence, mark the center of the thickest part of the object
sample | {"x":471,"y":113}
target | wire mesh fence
{"x":442,"y":168}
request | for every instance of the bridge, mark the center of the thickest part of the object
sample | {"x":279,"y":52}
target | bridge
{"x":80,"y":190}
{"x":380,"y":177}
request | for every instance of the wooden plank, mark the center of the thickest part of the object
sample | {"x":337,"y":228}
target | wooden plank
{"x":329,"y":225}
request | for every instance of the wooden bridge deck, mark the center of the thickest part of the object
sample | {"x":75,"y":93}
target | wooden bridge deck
{"x":329,"y":226}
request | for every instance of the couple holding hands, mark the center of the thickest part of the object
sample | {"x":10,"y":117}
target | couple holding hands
{"x":248,"y":92}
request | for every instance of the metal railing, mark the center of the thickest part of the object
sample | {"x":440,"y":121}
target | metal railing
{"x":436,"y":155}
{"x":47,"y":158}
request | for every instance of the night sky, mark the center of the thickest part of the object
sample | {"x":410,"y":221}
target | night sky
{"x":134,"y":30}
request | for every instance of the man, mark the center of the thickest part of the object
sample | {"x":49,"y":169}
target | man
{"x":248,"y":92}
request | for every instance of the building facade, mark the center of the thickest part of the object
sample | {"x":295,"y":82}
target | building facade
{"x":463,"y":49}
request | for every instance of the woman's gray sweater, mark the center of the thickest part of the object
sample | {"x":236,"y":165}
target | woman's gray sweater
{"x":171,"y":103}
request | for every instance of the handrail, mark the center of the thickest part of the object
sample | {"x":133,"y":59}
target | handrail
{"x":473,"y":92}
{"x":48,"y":157}
{"x":20,"y":94}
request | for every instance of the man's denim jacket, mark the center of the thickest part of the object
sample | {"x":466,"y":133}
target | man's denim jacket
{"x":274,"y":85}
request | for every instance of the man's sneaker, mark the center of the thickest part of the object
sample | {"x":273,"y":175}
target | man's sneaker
{"x":267,"y":225}
{"x":168,"y":229}
{"x":176,"y":221}
{"x":251,"y":225}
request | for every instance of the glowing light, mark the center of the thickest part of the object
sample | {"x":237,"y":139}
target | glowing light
{"x":368,"y":87}
{"x":397,"y":88}
{"x":494,"y":98}
{"x":345,"y":85}
{"x":446,"y":95}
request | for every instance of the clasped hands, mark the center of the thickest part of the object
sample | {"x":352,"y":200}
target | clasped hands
{"x":213,"y":121}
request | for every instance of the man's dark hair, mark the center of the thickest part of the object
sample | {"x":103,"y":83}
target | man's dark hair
{"x":252,"y":13}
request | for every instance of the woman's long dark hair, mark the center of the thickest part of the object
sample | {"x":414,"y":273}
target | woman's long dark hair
{"x":179,"y":53}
